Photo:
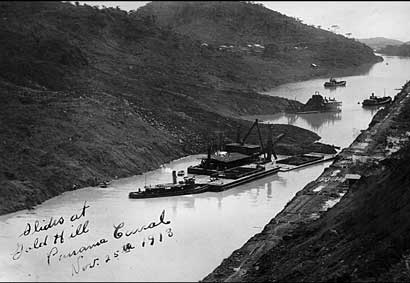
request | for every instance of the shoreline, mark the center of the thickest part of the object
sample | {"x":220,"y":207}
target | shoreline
{"x":310,"y":203}
{"x":38,"y":195}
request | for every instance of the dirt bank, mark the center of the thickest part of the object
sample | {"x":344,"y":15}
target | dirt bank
{"x":308,"y":242}
{"x":89,"y":94}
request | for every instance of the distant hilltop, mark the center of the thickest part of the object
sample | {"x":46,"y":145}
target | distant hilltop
{"x":379,"y":42}
{"x":245,"y":28}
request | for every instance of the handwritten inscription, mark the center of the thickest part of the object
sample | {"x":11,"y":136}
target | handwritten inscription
{"x":54,"y":252}
{"x":117,"y":228}
{"x":38,"y":227}
{"x":52,"y":234}
{"x":44,"y":225}
{"x":81,"y":265}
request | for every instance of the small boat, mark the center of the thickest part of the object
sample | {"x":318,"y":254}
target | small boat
{"x":333,"y":83}
{"x":104,"y":184}
{"x":374,"y":100}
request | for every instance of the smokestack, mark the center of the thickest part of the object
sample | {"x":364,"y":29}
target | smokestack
{"x":174,"y":177}
{"x":238,"y":134}
{"x":270,"y":143}
{"x":209,"y":152}
{"x":220,"y":140}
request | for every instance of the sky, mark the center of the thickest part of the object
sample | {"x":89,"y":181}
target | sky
{"x":389,"y":19}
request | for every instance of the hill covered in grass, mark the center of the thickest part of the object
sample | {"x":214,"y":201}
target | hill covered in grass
{"x":89,"y":94}
{"x":396,"y":50}
{"x":379,"y":42}
{"x":276,"y":47}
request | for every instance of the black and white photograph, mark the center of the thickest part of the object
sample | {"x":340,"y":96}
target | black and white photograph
{"x":205,"y":141}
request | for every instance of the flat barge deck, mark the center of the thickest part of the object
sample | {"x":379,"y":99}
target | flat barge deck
{"x":225,"y":184}
{"x":206,"y":184}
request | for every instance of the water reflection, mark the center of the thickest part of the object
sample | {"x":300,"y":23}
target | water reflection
{"x":339,"y":129}
{"x":333,"y":89}
{"x":314,"y":120}
{"x":373,"y":109}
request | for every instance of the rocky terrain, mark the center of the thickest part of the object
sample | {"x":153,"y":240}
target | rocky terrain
{"x":349,"y":225}
{"x":89,"y":94}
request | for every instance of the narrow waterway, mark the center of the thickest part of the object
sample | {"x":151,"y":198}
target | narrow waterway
{"x":341,"y":128}
{"x":196,"y":232}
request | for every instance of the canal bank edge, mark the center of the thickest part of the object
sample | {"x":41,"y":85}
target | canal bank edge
{"x":361,"y":158}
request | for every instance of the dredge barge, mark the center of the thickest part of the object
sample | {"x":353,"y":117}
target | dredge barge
{"x":237,"y":164}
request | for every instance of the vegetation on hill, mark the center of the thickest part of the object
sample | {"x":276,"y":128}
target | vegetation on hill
{"x":400,"y":50}
{"x":379,"y":42}
{"x":277,"y":47}
{"x":89,"y":94}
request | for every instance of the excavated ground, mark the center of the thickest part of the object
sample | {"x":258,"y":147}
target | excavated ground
{"x":267,"y":255}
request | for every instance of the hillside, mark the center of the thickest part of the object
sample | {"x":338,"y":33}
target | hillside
{"x":278,"y":48}
{"x":337,"y":228}
{"x":364,"y":238}
{"x":379,"y":42}
{"x":399,"y":50}
{"x":89,"y":94}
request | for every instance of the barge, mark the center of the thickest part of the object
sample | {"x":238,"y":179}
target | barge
{"x":186,"y":187}
{"x":237,"y":164}
{"x":215,"y":184}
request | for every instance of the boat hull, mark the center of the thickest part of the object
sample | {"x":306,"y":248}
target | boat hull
{"x":373,"y":102}
{"x":195,"y":190}
{"x":329,"y":84}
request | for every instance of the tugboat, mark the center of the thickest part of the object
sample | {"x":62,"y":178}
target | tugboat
{"x":333,"y":83}
{"x":331,"y":105}
{"x":373,"y":100}
{"x":185,"y":187}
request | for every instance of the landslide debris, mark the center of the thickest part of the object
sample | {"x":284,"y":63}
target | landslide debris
{"x":90,"y":94}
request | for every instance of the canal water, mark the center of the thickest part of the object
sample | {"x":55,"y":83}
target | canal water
{"x":86,"y":239}
{"x":341,"y":128}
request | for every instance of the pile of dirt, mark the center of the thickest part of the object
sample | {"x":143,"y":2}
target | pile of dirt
{"x":315,"y":103}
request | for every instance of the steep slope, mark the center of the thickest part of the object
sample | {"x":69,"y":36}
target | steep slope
{"x":89,"y":94}
{"x":338,"y":230}
{"x":379,"y":42}
{"x":278,"y":48}
{"x":365,"y":238}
